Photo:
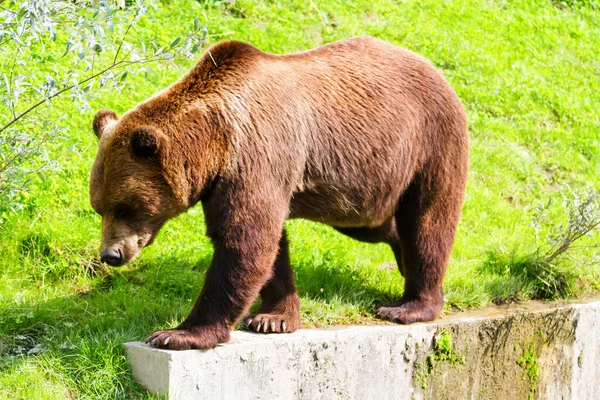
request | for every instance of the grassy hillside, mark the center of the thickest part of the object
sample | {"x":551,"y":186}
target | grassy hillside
{"x":527,"y":73}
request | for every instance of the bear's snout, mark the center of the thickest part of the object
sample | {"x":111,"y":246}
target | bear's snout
{"x":112,"y":257}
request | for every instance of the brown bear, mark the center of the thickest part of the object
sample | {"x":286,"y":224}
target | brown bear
{"x":358,"y":134}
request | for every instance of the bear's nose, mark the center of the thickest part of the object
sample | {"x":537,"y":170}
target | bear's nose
{"x":112,"y":257}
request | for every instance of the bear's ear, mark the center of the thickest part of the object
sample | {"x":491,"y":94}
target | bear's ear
{"x":146,"y":142}
{"x":102,"y":118}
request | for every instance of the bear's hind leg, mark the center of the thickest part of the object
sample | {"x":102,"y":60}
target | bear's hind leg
{"x":280,"y":308}
{"x":426,"y":221}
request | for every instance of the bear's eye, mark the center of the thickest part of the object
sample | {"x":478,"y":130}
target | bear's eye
{"x":122,"y":211}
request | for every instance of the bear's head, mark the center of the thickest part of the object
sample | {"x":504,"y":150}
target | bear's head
{"x":130,"y":185}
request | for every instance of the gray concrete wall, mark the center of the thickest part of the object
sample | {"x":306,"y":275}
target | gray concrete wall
{"x":526,"y":352}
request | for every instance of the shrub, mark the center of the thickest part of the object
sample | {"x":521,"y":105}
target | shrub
{"x":542,"y":271}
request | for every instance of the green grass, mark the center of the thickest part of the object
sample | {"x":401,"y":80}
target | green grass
{"x":527,"y":72}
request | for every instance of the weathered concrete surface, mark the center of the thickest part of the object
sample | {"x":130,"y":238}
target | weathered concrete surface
{"x":520,"y":352}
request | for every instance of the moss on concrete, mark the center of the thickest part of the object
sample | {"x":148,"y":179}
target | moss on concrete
{"x":517,"y":357}
{"x":443,"y":351}
{"x":532,"y":369}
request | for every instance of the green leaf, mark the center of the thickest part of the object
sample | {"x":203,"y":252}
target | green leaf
{"x":69,"y":45}
{"x":175,"y":42}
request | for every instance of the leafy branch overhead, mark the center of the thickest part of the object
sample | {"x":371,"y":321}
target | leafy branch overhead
{"x":83,"y":47}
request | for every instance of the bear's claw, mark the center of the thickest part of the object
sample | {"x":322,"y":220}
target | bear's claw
{"x":271,"y":323}
{"x":184,"y":339}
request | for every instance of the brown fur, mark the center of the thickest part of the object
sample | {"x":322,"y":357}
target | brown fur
{"x":358,"y":134}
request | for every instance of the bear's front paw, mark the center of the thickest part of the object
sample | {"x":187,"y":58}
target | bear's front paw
{"x":272,"y":323}
{"x":202,"y":337}
{"x":411,"y":311}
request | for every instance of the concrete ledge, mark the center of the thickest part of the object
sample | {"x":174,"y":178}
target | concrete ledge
{"x":529,"y":351}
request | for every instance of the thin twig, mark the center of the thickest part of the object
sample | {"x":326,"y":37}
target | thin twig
{"x":119,"y":64}
{"x":123,"y":40}
{"x":42,"y":101}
